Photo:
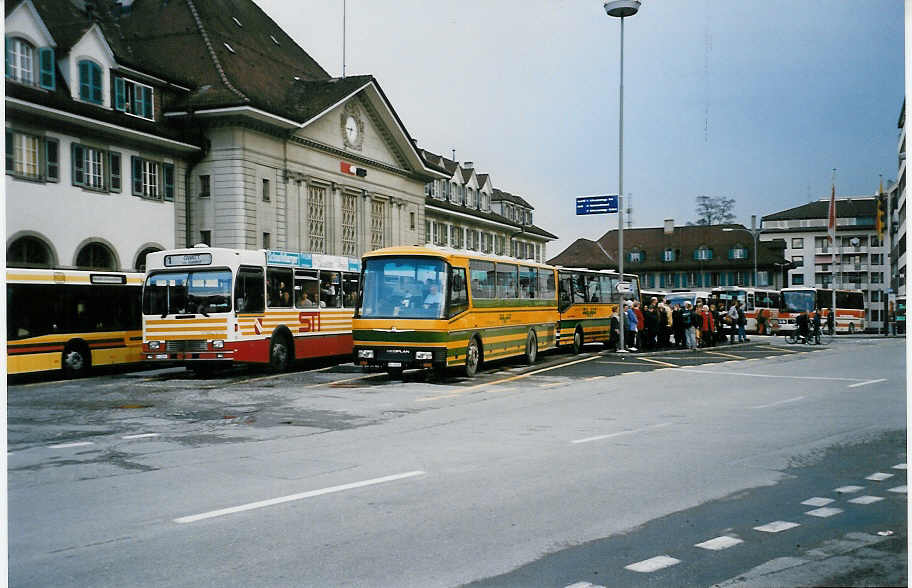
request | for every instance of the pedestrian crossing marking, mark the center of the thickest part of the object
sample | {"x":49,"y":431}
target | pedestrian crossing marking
{"x":899,"y":490}
{"x":824,"y":512}
{"x":817,"y":501}
{"x":652,"y":564}
{"x":719,"y":543}
{"x":777,"y":527}
{"x":866,"y":499}
{"x":879,"y":477}
{"x":848,"y":489}
{"x":900,"y":466}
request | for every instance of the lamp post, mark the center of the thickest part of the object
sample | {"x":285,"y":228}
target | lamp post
{"x":621,"y":9}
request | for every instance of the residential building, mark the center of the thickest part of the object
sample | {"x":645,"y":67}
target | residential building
{"x":465,"y":211}
{"x":897,"y":197}
{"x":212,"y":126}
{"x":858,"y":260}
{"x":679,"y":257}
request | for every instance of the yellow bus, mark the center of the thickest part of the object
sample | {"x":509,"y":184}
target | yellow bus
{"x":436,"y":308}
{"x":207,"y":306}
{"x":588,"y":305}
{"x":71,"y":320}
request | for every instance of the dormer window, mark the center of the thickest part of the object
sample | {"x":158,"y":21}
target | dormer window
{"x":737,"y":252}
{"x":90,"y":82}
{"x":133,"y":98}
{"x":669,"y":255}
{"x":636,"y":256}
{"x":703,"y":253}
{"x":20,"y":63}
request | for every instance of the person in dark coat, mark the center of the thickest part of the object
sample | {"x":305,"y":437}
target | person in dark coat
{"x":651,"y":321}
{"x":677,"y":325}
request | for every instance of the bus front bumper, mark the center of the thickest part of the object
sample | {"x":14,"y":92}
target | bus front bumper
{"x":162,"y":353}
{"x":393,"y":357}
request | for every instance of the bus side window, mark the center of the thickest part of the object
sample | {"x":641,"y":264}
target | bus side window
{"x":607,"y":289}
{"x":458,"y":293}
{"x":350,"y":290}
{"x":482,"y":279}
{"x":593,"y":288}
{"x":306,"y":288}
{"x":248,"y":290}
{"x":278,"y":287}
{"x":579,"y":289}
{"x":330,"y":286}
{"x":750,"y":301}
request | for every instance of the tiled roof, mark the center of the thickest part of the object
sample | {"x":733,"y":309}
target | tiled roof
{"x":501,"y":195}
{"x":490,"y":216}
{"x":466,"y":174}
{"x":584,"y":253}
{"x":845,"y":208}
{"x":482,"y":178}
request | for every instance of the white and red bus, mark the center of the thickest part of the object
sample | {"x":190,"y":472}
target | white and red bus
{"x":756,"y":302}
{"x":850,"y":310}
{"x":206,"y":306}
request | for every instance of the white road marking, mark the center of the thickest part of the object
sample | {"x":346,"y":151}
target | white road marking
{"x":776,"y":527}
{"x":656,"y":361}
{"x":824,"y":512}
{"x":848,"y":489}
{"x":718,"y":373}
{"x":900,"y":466}
{"x":720,"y":354}
{"x":868,"y":382}
{"x":652,"y":564}
{"x":611,"y":435}
{"x":140,"y":436}
{"x":879,"y":477}
{"x":866,"y":499}
{"x":899,"y":490}
{"x":68,"y":445}
{"x":585,"y":585}
{"x":719,"y":543}
{"x":788,"y":401}
{"x":817,"y":501}
{"x":593,"y":378}
{"x":292,"y":497}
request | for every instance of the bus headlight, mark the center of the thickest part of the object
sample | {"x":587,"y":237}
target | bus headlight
{"x":153,"y":345}
{"x":219,"y":344}
{"x":365,"y":354}
{"x":427,"y":355}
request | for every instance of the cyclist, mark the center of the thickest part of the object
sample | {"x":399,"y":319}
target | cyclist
{"x":815,"y":327}
{"x":803,"y":323}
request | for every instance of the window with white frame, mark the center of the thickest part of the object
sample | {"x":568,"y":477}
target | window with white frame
{"x":349,"y":224}
{"x":470,"y":197}
{"x":22,"y":67}
{"x":94,"y":168}
{"x":133,"y":98}
{"x":668,"y":255}
{"x":316,"y":215}
{"x":763,"y":278}
{"x":703,"y":253}
{"x":152,"y":179}
{"x":25,"y":150}
{"x":738,"y":252}
{"x":378,"y":212}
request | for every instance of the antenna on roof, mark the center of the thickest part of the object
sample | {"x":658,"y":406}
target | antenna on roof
{"x":343,"y":36}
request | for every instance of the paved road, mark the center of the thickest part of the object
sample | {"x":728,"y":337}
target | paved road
{"x":560,"y":473}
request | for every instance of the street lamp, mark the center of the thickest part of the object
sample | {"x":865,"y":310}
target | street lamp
{"x":621,"y":9}
{"x":755,"y":233}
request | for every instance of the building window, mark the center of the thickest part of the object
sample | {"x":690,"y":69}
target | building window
{"x":152,"y":179}
{"x":206,"y":238}
{"x":412,"y":221}
{"x":90,"y":82}
{"x":96,"y":256}
{"x":316,"y":214}
{"x":798,"y":260}
{"x":763,"y":278}
{"x":267,"y":241}
{"x":28,"y":252}
{"x":378,"y":211}
{"x":737,"y":252}
{"x":20,"y":64}
{"x":22,"y":155}
{"x":349,"y":224}
{"x":797,"y":242}
{"x":875,"y":295}
{"x":636,"y":256}
{"x":95,"y":169}
{"x":877,"y":277}
{"x":877,"y":259}
{"x":875,"y":241}
{"x":267,"y":197}
{"x":668,"y":255}
{"x":798,"y":280}
{"x":205,"y":186}
{"x":140,"y":264}
{"x":133,"y":98}
{"x":703,"y":253}
{"x":427,"y":231}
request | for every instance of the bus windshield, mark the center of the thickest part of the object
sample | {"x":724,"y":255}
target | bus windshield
{"x":797,"y":302}
{"x":182,"y":292}
{"x":729,"y":297}
{"x":404,"y":287}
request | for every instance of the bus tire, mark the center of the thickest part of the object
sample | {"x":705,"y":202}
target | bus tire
{"x":577,"y":341}
{"x":473,"y":357}
{"x":851,"y":328}
{"x":532,"y":347}
{"x":279,"y":353}
{"x":76,"y":360}
{"x":394,"y":372}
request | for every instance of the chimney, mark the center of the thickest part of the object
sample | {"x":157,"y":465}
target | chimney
{"x":669,"y":226}
{"x":467,"y":165}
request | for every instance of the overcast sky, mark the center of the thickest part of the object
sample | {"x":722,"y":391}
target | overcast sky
{"x":755,"y":100}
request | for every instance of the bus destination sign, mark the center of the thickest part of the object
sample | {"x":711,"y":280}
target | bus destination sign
{"x":188,"y":259}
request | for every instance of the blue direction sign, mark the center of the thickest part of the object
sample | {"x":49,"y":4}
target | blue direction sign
{"x":602,"y":204}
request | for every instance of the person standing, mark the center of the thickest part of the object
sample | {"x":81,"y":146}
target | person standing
{"x":640,"y":323}
{"x":688,"y":322}
{"x":651,"y":320}
{"x":630,"y":322}
{"x":665,"y":323}
{"x":677,"y":325}
{"x":718,"y":333}
{"x":742,"y":321}
{"x":732,"y":322}
{"x":707,"y":327}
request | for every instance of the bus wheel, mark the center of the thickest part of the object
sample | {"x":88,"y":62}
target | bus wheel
{"x":851,"y":328}
{"x":532,"y":347}
{"x":577,"y":341}
{"x":76,"y":360}
{"x":394,"y":372}
{"x":279,"y":354}
{"x":473,"y":358}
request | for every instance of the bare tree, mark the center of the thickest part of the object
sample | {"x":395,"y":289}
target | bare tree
{"x":714,"y":210}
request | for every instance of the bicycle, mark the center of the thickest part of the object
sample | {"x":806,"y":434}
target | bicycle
{"x":819,"y":336}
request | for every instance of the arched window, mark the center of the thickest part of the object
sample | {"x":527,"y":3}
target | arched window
{"x":96,"y":256}
{"x":90,"y":81}
{"x":20,"y":60}
{"x":28,"y":252}
{"x":141,"y":258}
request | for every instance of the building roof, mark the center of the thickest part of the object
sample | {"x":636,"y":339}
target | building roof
{"x":490,"y":216}
{"x":512,"y":198}
{"x":684,"y":240}
{"x":845,"y":208}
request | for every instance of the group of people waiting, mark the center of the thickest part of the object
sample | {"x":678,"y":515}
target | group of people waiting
{"x":692,"y":326}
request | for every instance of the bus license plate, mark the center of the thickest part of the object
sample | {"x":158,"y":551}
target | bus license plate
{"x":161,"y":356}
{"x":395,"y":364}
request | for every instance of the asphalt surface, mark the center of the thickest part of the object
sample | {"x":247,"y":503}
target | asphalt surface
{"x":561,"y":473}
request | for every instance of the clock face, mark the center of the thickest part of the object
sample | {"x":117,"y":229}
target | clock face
{"x":351,"y":129}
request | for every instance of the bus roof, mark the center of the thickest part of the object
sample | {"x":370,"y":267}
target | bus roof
{"x":219,"y":256}
{"x":443,"y":252}
{"x":67,"y":276}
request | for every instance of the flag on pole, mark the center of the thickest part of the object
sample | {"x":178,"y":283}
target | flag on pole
{"x":831,"y":225}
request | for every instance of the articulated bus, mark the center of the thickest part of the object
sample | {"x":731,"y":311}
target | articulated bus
{"x":850,"y":311}
{"x":588,"y":304}
{"x":437,"y":308}
{"x":756,"y":302}
{"x":204,"y":307}
{"x":71,"y":320}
